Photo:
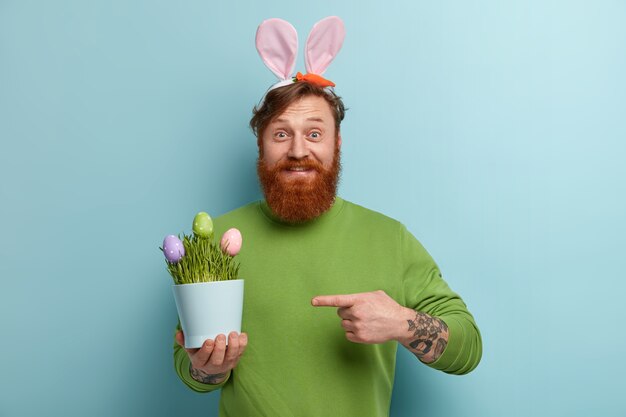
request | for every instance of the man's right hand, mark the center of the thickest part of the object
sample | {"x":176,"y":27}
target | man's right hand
{"x":211,"y":363}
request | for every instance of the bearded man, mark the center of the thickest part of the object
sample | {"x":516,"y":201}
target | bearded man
{"x":331,"y":287}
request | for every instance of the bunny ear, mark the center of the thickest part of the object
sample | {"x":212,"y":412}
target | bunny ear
{"x":277,"y":43}
{"x":323,"y":44}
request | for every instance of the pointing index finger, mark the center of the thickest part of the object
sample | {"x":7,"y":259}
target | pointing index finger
{"x":347,"y":300}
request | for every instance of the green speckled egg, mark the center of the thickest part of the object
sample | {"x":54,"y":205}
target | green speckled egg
{"x":202,"y":225}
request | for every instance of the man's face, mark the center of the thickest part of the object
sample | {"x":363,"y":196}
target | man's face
{"x":299,"y":160}
{"x":305,"y":130}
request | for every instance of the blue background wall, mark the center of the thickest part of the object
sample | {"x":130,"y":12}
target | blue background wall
{"x":494,"y":130}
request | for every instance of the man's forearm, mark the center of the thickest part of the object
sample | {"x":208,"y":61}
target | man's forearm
{"x":201,"y":376}
{"x":424,"y":335}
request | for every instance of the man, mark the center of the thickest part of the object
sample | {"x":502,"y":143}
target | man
{"x":330,"y":286}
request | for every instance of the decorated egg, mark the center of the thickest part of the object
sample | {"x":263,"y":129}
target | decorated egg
{"x":202,"y":225}
{"x":173,"y":248}
{"x":231,"y":241}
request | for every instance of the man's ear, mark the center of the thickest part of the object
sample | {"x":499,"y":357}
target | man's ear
{"x":259,"y":144}
{"x":339,"y":139}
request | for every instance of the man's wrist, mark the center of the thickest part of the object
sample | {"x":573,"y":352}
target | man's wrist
{"x":402,"y":335}
{"x":205,"y":378}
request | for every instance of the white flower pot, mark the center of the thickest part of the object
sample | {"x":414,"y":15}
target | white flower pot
{"x":207,"y":309}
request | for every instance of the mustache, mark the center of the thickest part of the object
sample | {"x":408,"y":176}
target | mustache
{"x":305,"y":164}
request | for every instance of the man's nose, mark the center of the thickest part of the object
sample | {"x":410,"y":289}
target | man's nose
{"x":298,"y":149}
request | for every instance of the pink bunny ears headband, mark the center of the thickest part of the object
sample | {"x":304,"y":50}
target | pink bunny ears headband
{"x":277,"y":44}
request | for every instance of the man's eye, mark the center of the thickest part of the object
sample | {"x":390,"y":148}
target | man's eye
{"x":315,"y":135}
{"x":281,"y":135}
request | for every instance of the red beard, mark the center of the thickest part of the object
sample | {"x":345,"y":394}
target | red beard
{"x":297,"y":200}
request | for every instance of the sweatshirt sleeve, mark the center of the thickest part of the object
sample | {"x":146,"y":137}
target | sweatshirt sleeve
{"x":427,"y":292}
{"x":181,"y":364}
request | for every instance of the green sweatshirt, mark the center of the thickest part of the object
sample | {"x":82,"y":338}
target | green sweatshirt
{"x":298,"y":361}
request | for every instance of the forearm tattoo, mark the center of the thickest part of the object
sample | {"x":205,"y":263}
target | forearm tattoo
{"x":430,"y":337}
{"x":201,"y":376}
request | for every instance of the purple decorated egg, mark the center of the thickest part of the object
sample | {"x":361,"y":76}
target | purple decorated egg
{"x":231,"y":242}
{"x":173,"y":248}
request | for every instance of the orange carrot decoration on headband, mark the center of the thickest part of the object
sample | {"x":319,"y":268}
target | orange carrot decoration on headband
{"x":314,"y":79}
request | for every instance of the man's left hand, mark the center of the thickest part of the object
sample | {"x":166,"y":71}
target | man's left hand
{"x":369,"y":317}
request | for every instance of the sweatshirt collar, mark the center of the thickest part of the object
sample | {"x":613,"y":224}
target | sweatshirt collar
{"x":330,"y":213}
